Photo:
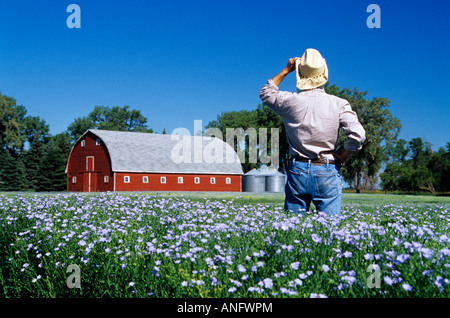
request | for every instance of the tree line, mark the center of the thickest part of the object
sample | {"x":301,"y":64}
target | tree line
{"x":31,"y":159}
{"x":414,"y":166}
{"x":384,"y":160}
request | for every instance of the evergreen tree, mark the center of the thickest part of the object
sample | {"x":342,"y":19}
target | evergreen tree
{"x":51,"y":175}
{"x":12,"y":173}
{"x":32,"y":159}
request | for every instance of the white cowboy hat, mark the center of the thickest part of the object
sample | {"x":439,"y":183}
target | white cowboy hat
{"x":311,"y":70}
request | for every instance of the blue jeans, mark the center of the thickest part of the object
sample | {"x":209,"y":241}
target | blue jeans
{"x":320,"y":184}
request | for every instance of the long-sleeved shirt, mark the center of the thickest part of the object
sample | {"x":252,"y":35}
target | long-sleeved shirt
{"x":312,"y":119}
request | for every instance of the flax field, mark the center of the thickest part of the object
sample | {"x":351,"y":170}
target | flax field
{"x":172,"y":245}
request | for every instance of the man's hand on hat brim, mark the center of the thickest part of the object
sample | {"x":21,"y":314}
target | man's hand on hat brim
{"x":290,"y":67}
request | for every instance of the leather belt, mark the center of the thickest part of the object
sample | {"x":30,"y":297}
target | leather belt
{"x":315,"y":161}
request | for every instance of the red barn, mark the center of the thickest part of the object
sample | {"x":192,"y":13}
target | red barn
{"x":104,"y":160}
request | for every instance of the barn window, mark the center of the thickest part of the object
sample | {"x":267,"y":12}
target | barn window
{"x":228,"y":180}
{"x":163,"y":179}
{"x":197,"y":180}
{"x":105,"y":179}
{"x":83,"y":143}
{"x":97,"y":142}
{"x":74,"y":180}
{"x":144,"y":179}
{"x":213,"y":180}
{"x":180,"y":179}
{"x":126,"y":179}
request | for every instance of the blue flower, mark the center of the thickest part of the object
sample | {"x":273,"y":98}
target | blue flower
{"x":295,"y":265}
{"x":426,"y":252}
{"x":232,"y":289}
{"x":401,"y":258}
{"x":407,"y":287}
{"x":255,"y":289}
{"x":349,"y":279}
{"x":36,"y":279}
{"x":266,"y":283}
{"x":388,"y":280}
{"x":439,"y":282}
{"x":316,"y":238}
{"x":303,"y":276}
{"x":284,"y":290}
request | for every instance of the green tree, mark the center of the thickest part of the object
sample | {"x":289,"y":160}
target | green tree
{"x":444,"y":168}
{"x":420,"y":152}
{"x":12,"y":173}
{"x":37,"y":133}
{"x":390,"y":176}
{"x":399,"y":151}
{"x":423,"y":169}
{"x":35,"y":130}
{"x":382,"y":130}
{"x":32,"y":158}
{"x":51,"y":174}
{"x":250,"y":122}
{"x":245,"y":120}
{"x":115,"y":118}
{"x":266,"y":118}
{"x":19,"y":134}
{"x":79,"y":126}
{"x":11,"y":124}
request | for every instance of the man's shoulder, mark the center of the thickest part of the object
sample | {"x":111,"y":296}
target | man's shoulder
{"x":321,"y":92}
{"x":336,"y":99}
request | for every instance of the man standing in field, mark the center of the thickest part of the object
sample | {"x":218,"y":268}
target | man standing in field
{"x":312,"y":119}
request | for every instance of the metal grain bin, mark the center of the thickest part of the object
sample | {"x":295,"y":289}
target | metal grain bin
{"x":275,"y":182}
{"x":254,"y":181}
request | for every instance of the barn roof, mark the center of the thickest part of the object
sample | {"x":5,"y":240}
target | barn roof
{"x":148,"y":152}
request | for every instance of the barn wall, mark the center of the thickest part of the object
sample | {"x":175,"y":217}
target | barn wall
{"x":154,"y":182}
{"x":81,"y":169}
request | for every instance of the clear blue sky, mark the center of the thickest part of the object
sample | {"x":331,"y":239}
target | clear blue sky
{"x":180,"y":61}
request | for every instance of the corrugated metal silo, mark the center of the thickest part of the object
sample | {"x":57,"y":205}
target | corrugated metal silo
{"x":275,"y":182}
{"x":254,"y":181}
